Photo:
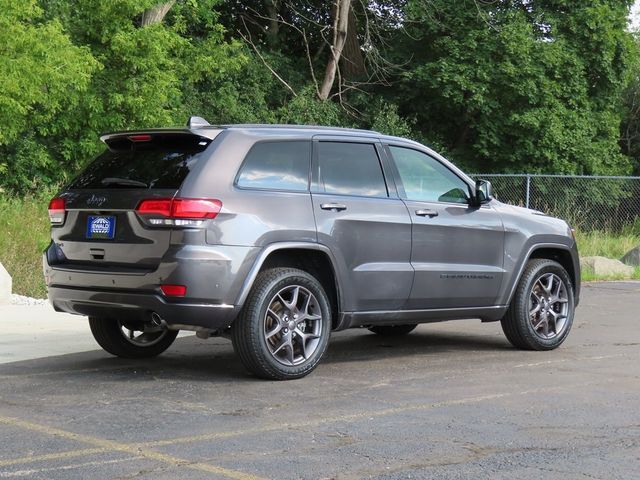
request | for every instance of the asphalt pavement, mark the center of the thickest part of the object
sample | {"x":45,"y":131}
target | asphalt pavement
{"x":449,"y":401}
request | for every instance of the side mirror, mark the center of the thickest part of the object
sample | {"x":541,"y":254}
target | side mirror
{"x":483,"y":193}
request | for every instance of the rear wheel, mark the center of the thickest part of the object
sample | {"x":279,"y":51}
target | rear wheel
{"x":541,"y":312}
{"x":285,"y":324}
{"x":131,"y":339}
{"x":393,"y":330}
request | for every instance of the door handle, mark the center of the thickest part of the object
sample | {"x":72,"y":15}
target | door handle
{"x":427,"y":213}
{"x":336,"y":207}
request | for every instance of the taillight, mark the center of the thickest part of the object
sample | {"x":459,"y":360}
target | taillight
{"x":174,"y":290}
{"x":180,"y":212}
{"x":57,"y":211}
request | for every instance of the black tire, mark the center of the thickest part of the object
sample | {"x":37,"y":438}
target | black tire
{"x":518,"y":323}
{"x":109,"y":335}
{"x":393,"y":330}
{"x":268,"y":357}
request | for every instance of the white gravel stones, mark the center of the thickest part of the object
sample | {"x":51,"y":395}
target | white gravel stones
{"x":22,"y":300}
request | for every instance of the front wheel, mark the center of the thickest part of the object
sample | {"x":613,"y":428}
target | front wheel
{"x":541,"y":312}
{"x":285,"y":324}
{"x":131,"y":339}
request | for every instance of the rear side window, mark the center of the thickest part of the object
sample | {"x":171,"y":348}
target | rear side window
{"x":350,"y":169}
{"x":162,"y":162}
{"x":277,"y":166}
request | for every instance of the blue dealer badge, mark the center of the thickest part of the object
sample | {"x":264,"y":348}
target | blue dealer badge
{"x":101,"y":227}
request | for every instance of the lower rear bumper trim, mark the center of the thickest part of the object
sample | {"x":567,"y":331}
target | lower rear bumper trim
{"x":122,"y":305}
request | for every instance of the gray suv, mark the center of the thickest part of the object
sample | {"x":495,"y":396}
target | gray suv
{"x":277,"y":235}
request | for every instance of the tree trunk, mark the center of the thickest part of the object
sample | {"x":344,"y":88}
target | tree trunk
{"x":340,"y":28}
{"x":156,"y":14}
{"x":273,"y":8}
{"x":352,"y":62}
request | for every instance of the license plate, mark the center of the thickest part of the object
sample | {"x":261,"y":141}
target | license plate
{"x":101,"y":227}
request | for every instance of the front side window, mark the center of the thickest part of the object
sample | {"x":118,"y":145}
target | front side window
{"x":277,"y":166}
{"x":426,"y":179}
{"x":350,"y":169}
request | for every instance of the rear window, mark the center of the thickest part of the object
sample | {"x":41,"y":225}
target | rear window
{"x":163,"y":162}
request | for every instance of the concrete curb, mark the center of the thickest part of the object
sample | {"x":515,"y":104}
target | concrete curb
{"x":6,"y":285}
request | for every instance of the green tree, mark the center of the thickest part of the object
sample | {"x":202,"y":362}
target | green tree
{"x":520,"y":85}
{"x":43,"y":78}
{"x":151,"y":69}
{"x":72,"y":70}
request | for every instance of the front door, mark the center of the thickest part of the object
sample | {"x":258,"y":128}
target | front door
{"x":457,"y":250}
{"x":363,"y":222}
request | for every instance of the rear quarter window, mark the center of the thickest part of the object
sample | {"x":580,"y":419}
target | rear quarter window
{"x":279,"y":165}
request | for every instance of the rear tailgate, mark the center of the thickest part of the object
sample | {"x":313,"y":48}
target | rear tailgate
{"x":101,"y":228}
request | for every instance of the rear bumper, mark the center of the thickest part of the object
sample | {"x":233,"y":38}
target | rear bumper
{"x":134,"y":305}
{"x":213,"y":276}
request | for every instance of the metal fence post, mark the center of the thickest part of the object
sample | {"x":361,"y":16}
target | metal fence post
{"x":528,"y":190}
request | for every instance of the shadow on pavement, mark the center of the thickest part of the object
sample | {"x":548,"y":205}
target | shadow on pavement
{"x":214,"y":360}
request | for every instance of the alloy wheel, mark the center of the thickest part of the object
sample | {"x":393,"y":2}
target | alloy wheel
{"x":293,"y":325}
{"x":549,"y":306}
{"x":142,"y":334}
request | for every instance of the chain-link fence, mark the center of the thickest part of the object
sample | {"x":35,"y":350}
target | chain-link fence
{"x":587,"y":203}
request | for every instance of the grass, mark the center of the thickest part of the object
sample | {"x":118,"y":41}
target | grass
{"x":606,"y":244}
{"x":24,"y":234}
{"x":610,"y":245}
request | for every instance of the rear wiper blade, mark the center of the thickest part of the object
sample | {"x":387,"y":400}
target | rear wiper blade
{"x":123,"y":181}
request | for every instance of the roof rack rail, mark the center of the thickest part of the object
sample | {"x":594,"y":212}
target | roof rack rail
{"x":297,"y":127}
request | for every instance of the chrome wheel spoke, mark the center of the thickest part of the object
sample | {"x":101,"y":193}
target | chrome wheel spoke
{"x":273,"y":332}
{"x":535,"y":310}
{"x":545,"y":328}
{"x":539,"y":324}
{"x":275,"y":316}
{"x":308,"y":318}
{"x":285,"y":341}
{"x":294,"y":299}
{"x":304,"y":338}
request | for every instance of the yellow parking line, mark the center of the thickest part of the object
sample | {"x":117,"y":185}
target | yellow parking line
{"x":143,"y":449}
{"x":53,"y":456}
{"x":31,"y":472}
{"x":360,"y":415}
{"x":137,"y":450}
{"x":321,"y":421}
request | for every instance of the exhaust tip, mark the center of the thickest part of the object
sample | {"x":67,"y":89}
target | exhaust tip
{"x":157,"y":320}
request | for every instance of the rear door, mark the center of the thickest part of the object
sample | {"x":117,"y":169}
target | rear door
{"x":101,"y":228}
{"x":363,"y":222}
{"x":457,"y":250}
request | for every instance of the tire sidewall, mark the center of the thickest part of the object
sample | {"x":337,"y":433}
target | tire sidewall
{"x":288,"y":278}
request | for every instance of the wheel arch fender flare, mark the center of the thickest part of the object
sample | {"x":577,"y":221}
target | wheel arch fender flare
{"x":573,"y":271}
{"x":282,"y":246}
